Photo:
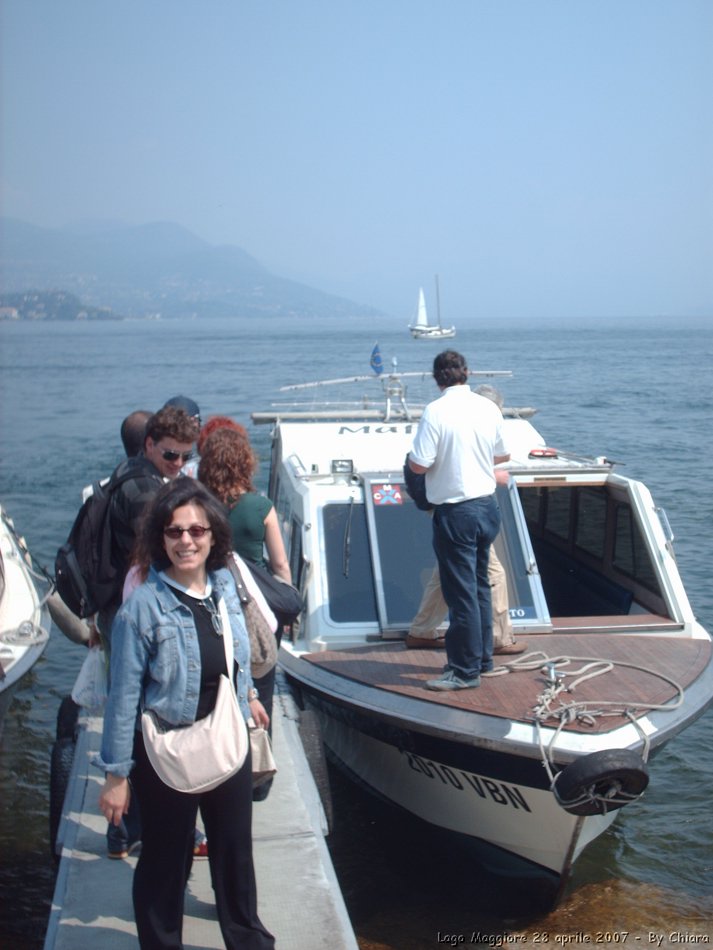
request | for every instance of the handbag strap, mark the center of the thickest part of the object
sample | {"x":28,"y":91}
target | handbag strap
{"x":245,"y":598}
{"x":227,"y":636}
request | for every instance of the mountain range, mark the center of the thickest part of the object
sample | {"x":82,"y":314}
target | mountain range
{"x":151,"y":270}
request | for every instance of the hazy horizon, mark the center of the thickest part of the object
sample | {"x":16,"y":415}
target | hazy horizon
{"x":544,"y":159}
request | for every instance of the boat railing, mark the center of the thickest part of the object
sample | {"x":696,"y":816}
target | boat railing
{"x":388,"y":404}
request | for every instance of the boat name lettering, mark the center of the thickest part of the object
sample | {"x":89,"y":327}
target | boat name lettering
{"x":407,"y":429}
{"x":485,"y":788}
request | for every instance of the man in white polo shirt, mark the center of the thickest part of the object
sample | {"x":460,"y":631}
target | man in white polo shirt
{"x":459,"y":439}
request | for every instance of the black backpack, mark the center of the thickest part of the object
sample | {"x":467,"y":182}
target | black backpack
{"x":85,"y":575}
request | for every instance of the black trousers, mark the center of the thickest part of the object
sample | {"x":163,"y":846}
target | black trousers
{"x":168,"y":819}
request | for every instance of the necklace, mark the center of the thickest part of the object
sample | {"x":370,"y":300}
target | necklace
{"x":210,"y":605}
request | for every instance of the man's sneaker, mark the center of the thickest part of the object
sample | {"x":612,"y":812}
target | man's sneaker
{"x":449,"y":679}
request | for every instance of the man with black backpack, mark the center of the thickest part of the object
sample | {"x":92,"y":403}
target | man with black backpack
{"x":168,"y":444}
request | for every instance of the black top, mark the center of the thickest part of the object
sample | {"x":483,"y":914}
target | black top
{"x":210,"y":642}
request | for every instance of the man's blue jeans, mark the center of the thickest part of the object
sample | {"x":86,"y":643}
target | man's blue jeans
{"x":462,"y":535}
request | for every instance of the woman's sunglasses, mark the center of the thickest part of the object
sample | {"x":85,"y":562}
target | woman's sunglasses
{"x":175,"y":533}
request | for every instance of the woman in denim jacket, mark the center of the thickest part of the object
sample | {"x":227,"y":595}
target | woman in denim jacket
{"x":167,"y":656}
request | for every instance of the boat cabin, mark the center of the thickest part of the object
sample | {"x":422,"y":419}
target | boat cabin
{"x":583,"y":547}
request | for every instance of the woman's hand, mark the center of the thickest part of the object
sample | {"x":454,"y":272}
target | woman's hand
{"x":114,"y":798}
{"x":257,"y":711}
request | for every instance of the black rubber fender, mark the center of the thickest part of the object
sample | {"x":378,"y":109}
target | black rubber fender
{"x":67,"y":717}
{"x":310,"y":733}
{"x":60,"y":768}
{"x":601,"y":782}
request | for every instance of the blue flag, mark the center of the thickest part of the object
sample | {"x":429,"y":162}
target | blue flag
{"x":375,"y":361}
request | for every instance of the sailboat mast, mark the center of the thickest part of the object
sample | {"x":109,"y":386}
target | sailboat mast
{"x":438,"y":302}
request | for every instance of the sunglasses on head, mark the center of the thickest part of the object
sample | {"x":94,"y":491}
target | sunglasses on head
{"x":195,"y":530}
{"x":172,"y":456}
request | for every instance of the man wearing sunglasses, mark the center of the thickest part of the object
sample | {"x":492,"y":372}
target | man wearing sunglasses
{"x":168,"y":445}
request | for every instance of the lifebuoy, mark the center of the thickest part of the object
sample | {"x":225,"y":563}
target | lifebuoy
{"x":601,"y":782}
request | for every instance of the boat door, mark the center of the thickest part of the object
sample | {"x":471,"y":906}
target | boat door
{"x":528,"y":606}
{"x":400,"y":543}
{"x":401,"y":551}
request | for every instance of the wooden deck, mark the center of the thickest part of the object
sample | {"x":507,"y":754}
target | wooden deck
{"x":514,"y":694}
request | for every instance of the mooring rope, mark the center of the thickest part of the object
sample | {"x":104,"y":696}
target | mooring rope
{"x":583,"y":711}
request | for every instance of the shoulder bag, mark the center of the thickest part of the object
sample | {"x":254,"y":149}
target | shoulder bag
{"x":263,"y":643}
{"x":263,"y":761}
{"x":416,"y":487}
{"x":199,"y":757}
{"x":283,"y":599}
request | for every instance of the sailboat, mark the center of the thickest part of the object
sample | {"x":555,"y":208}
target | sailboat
{"x":421,"y":329}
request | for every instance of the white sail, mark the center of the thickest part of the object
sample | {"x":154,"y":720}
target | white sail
{"x":421,"y":315}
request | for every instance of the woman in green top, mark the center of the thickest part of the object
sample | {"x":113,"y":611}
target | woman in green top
{"x":227,"y":467}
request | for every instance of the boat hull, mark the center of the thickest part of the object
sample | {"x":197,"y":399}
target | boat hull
{"x":461,"y":790}
{"x":24,"y":615}
{"x":432,"y":333}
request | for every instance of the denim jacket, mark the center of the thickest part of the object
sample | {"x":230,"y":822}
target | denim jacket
{"x":155,"y":664}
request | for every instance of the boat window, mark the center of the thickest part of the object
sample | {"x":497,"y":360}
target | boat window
{"x":295,"y":551}
{"x":590,"y":551}
{"x":557,"y":512}
{"x":350,"y":588}
{"x":401,"y":548}
{"x":282,"y":504}
{"x":631,"y":555}
{"x":591,"y":521}
{"x":532,"y":504}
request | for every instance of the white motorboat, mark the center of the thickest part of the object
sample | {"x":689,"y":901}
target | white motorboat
{"x":536,"y":763}
{"x":24,"y":615}
{"x":422,"y":329}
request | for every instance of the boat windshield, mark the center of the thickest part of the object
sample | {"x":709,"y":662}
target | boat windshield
{"x":379,"y":558}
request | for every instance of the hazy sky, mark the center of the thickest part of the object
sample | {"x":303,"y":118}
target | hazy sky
{"x":543,"y":157}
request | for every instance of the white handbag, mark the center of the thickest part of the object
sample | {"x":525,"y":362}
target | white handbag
{"x":263,"y":761}
{"x":201,"y":756}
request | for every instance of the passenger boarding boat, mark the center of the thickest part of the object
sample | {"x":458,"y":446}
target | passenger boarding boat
{"x":535,"y":763}
{"x":24,"y":616}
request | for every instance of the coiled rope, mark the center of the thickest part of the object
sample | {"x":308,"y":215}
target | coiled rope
{"x":583,"y":711}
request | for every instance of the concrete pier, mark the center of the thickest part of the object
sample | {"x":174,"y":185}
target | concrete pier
{"x":299,"y":897}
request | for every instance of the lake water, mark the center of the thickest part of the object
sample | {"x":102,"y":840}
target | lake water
{"x":639,"y":392}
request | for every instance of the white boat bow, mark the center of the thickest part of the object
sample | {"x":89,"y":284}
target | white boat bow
{"x":523,"y":767}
